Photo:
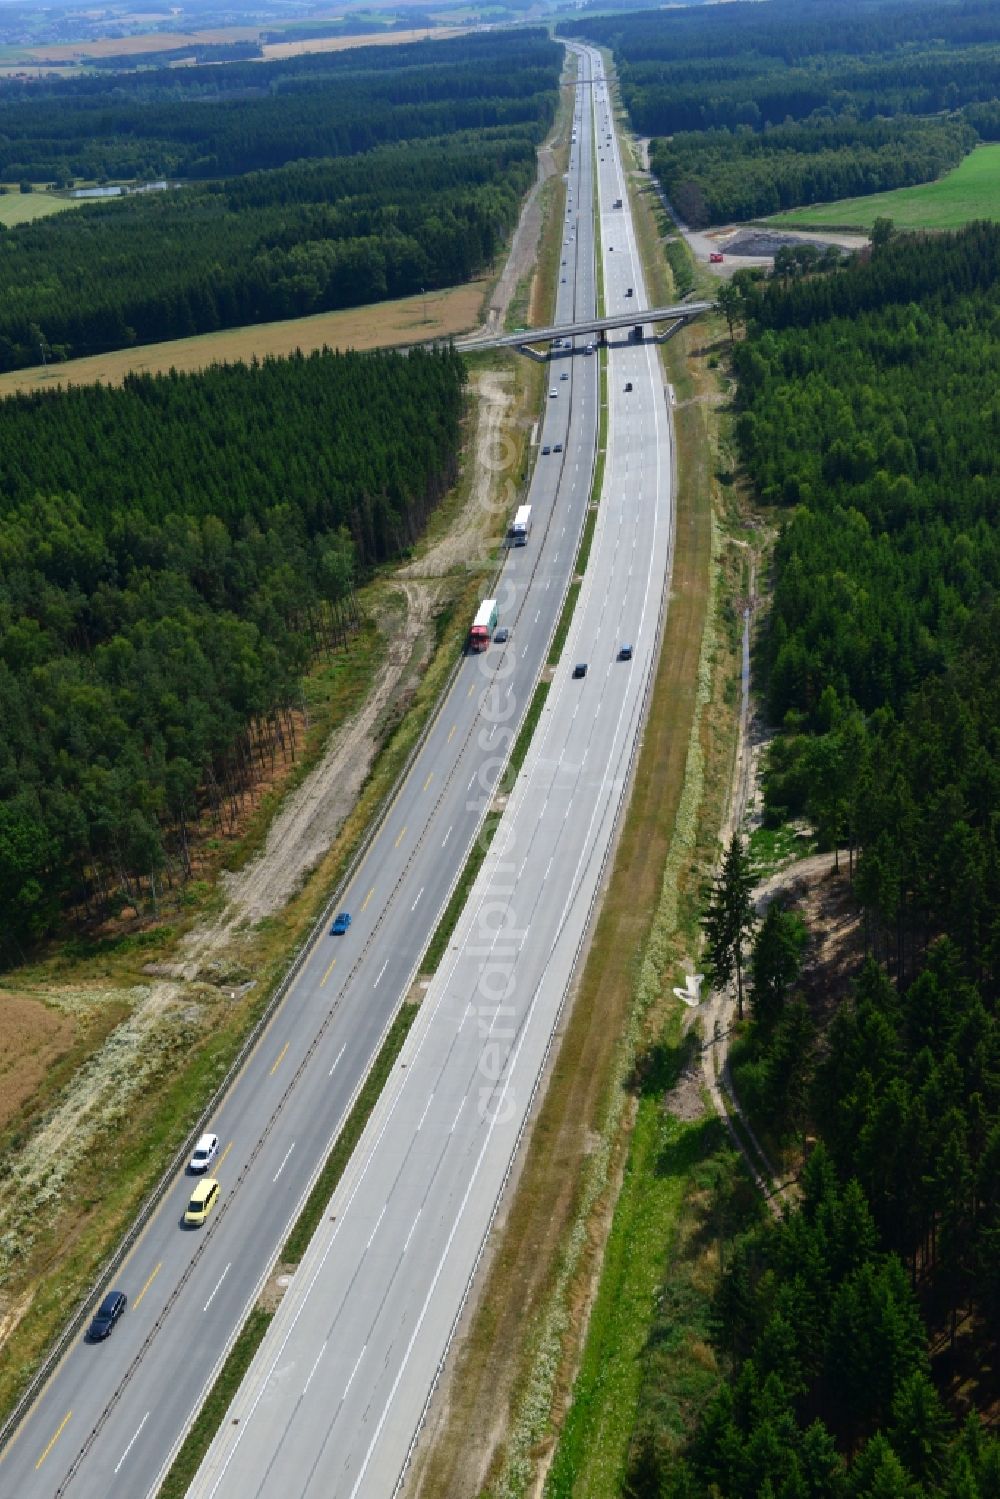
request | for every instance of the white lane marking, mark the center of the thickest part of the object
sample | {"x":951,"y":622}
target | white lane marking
{"x":378,"y":1220}
{"x":284,"y":1163}
{"x":538,"y":616}
{"x":354,"y":1371}
{"x":315,"y":1366}
{"x":426,"y":1107}
{"x":457,"y":1117}
{"x":218,"y":1283}
{"x":446,"y":836}
{"x":414,"y":906}
{"x":471,"y":784}
{"x":547,"y":868}
{"x":131,"y":1444}
{"x":380,"y":973}
{"x":413,"y":1225}
{"x":340,"y":1053}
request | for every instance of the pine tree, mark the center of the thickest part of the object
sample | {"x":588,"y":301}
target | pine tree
{"x":729,"y":919}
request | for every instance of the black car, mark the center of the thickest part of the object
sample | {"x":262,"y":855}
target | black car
{"x":580,"y":669}
{"x":501,"y":636}
{"x":107,"y":1314}
{"x":625,"y":653}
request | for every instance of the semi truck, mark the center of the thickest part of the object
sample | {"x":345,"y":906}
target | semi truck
{"x":520,"y":526}
{"x":485,"y":622}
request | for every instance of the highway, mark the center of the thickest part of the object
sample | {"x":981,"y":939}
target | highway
{"x":336,"y":1395}
{"x":111,"y":1416}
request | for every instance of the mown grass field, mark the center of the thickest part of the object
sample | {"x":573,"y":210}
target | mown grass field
{"x":20,"y":208}
{"x":971,"y":191}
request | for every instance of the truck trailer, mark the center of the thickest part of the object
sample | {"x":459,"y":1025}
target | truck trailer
{"x":485,"y":622}
{"x":520,"y":526}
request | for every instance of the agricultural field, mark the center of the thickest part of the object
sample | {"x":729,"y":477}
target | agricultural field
{"x":23,"y":208}
{"x":971,"y":191}
{"x":439,"y":314}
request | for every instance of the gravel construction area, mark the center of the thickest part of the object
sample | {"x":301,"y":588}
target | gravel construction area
{"x":760,"y":242}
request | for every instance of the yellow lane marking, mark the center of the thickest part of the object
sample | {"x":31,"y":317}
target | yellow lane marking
{"x":367,"y":898}
{"x":332,"y":965}
{"x":452,"y":733}
{"x":147,"y":1285}
{"x":400,"y":838}
{"x":230,"y":1145}
{"x":277,"y":1064}
{"x":428,"y":780}
{"x":49,"y":1448}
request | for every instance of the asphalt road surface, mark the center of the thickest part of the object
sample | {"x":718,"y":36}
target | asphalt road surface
{"x":336,"y":1395}
{"x":112,"y":1415}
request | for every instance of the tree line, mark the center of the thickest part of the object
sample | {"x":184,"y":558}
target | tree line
{"x":714,"y":176}
{"x":701,"y":69}
{"x":172,"y":555}
{"x":867,"y":417}
{"x":305,"y":238}
{"x":247,"y":116}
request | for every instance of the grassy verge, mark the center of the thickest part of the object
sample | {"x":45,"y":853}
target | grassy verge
{"x":308,"y":1221}
{"x":199,"y":1438}
{"x":648,"y":1347}
{"x":592,"y":1455}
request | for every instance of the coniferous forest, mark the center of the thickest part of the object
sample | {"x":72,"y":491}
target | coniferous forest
{"x":868,"y":420}
{"x":172,"y":556}
{"x":333,"y":185}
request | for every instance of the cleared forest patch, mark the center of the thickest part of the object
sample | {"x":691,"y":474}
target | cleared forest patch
{"x":32,"y":1039}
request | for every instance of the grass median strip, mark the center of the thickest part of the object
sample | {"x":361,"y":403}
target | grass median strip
{"x":199,"y":1438}
{"x":587,"y":539}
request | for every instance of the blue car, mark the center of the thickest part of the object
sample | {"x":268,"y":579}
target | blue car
{"x":341,"y":924}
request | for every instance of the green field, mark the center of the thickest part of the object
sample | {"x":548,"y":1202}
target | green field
{"x":971,"y":191}
{"x":20,"y":208}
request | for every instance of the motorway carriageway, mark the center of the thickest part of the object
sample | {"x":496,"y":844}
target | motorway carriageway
{"x":111,"y":1416}
{"x":337,"y":1392}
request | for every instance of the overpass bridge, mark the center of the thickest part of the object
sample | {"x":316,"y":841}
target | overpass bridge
{"x":525,"y":339}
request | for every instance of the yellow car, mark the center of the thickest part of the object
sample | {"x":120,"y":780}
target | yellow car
{"x":203,"y":1200}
